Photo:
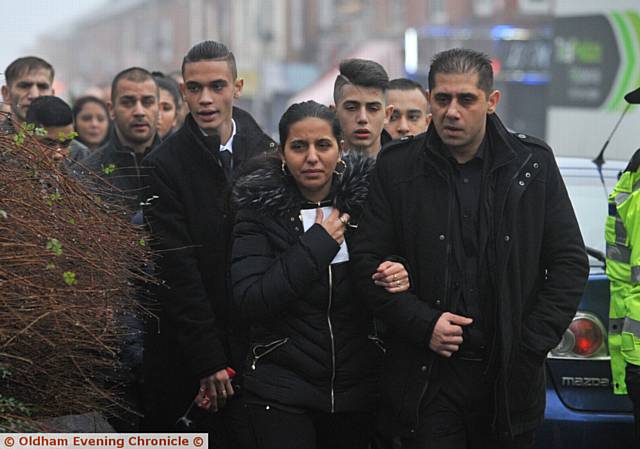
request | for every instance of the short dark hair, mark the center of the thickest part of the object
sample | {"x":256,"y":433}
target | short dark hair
{"x":360,"y":72}
{"x":211,"y":51}
{"x":48,"y":111}
{"x":463,"y":60}
{"x":300,"y":111}
{"x":135,"y":74}
{"x":405,"y":84}
{"x":82,"y":101}
{"x":170,"y":85}
{"x":26,"y":65}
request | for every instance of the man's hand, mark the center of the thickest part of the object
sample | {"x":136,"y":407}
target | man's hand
{"x":447,"y":334}
{"x":214,"y":391}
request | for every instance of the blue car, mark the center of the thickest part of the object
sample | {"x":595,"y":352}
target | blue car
{"x":582,"y":411}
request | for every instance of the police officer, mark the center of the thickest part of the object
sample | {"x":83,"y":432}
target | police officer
{"x":622,"y":233}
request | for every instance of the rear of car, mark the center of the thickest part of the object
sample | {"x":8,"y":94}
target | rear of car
{"x":582,"y":411}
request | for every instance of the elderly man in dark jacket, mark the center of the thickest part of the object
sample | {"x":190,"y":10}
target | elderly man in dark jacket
{"x":497,"y":261}
{"x":190,"y":220}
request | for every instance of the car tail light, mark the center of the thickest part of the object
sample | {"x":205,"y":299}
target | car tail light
{"x":585,"y":338}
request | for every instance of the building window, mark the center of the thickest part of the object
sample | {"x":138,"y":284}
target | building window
{"x":483,"y":8}
{"x":534,"y":6}
{"x":438,"y":11}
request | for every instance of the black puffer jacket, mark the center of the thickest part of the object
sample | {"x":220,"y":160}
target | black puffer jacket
{"x":312,"y":343}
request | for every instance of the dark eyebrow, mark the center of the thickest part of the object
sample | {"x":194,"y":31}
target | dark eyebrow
{"x":374,"y":103}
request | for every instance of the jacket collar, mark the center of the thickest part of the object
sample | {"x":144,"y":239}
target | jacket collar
{"x":247,"y":134}
{"x":271,"y":191}
{"x":503,"y":146}
{"x":211,"y":142}
{"x":118,"y":146}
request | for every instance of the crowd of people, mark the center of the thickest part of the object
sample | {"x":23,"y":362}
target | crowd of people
{"x":391,"y":274}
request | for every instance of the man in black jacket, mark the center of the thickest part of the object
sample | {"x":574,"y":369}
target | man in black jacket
{"x":497,"y":261}
{"x":114,"y":170}
{"x":190,"y":219}
{"x":134,"y":111}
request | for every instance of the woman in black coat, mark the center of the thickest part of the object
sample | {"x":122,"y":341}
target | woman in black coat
{"x":311,"y":375}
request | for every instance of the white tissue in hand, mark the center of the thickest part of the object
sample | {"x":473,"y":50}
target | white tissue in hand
{"x":309,"y":218}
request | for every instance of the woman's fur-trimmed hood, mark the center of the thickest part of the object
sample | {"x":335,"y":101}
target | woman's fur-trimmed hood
{"x":269,"y":191}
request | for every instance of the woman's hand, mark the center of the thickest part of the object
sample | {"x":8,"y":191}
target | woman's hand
{"x":392,"y":276}
{"x":334,"y":224}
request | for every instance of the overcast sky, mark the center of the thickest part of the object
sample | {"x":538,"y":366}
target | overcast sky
{"x":22,"y":21}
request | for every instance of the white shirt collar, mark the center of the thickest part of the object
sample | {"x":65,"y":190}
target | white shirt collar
{"x":229,"y":145}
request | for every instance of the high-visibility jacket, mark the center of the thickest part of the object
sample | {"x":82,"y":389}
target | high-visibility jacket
{"x":622,"y":233}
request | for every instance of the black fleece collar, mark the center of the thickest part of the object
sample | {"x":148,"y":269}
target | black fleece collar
{"x":270,"y":191}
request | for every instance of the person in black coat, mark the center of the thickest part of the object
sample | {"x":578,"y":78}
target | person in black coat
{"x":497,"y":266}
{"x":114,"y":171}
{"x":134,"y":111}
{"x":195,"y":342}
{"x":312,"y":369}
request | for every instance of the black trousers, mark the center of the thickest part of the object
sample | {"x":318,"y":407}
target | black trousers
{"x":275,"y":428}
{"x":460,"y":415}
{"x":632,"y":379}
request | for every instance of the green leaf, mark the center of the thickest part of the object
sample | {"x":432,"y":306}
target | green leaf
{"x":72,"y":221}
{"x":109,"y":169}
{"x":69,"y":278}
{"x":142,"y":242}
{"x":51,"y":266}
{"x":3,"y":214}
{"x":55,"y":246}
{"x":53,"y":197}
{"x":41,"y":132}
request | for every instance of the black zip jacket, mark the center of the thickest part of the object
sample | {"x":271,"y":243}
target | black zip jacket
{"x":121,"y":167}
{"x":535,"y":259}
{"x":312,"y":341}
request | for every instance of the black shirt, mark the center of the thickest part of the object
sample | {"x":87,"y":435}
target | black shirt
{"x":467,"y":286}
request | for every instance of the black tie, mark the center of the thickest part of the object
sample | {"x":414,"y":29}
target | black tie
{"x":226,"y":159}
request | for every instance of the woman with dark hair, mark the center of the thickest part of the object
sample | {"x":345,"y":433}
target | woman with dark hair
{"x":311,"y":375}
{"x":91,"y":121}
{"x":170,"y":103}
